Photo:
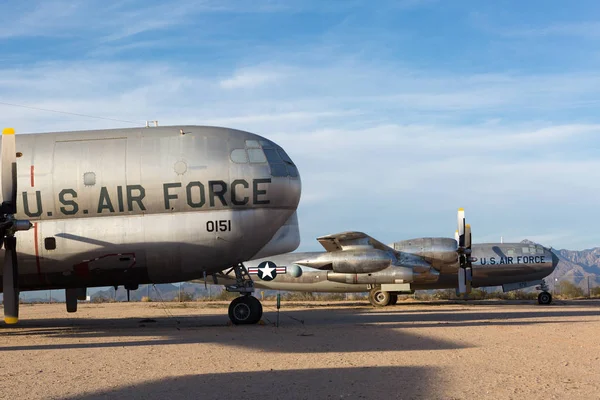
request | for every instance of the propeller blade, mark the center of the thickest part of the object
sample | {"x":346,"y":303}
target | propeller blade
{"x":462,"y":281}
{"x":468,"y":236}
{"x":10,"y":287}
{"x":468,"y":278}
{"x":8,"y":162}
{"x":461,"y":227}
{"x":463,"y":237}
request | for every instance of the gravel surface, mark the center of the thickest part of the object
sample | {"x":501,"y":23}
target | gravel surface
{"x":498,"y":350}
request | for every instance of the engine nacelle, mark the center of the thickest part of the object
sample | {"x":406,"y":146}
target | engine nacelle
{"x":355,"y":261}
{"x":438,"y":252}
{"x":389,"y":275}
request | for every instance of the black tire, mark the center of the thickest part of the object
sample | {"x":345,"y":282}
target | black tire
{"x":393,"y":299}
{"x":379,"y":298}
{"x":245,"y":310}
{"x":544,"y":298}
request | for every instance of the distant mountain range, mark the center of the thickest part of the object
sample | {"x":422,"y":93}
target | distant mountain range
{"x":575,"y":266}
{"x":159,"y":292}
{"x":578,"y":267}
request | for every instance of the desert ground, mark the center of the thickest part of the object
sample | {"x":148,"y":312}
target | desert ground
{"x":346,"y":350}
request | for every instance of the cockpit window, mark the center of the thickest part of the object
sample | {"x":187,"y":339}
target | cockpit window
{"x":256,"y":156}
{"x":539,"y":250}
{"x":292,"y":170}
{"x":264,"y":151}
{"x":272,"y":156}
{"x":252,"y":144}
{"x":284,"y":156}
{"x":239,"y":156}
{"x":278,"y":169}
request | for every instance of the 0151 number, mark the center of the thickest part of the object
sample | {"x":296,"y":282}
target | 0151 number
{"x":222,"y":225}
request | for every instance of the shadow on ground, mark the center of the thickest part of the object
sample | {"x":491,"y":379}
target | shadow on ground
{"x":334,"y":383}
{"x":311,"y":330}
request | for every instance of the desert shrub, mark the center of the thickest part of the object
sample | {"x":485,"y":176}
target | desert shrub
{"x":445,"y":294}
{"x":595,"y":291}
{"x":478,"y":294}
{"x":184,"y":296}
{"x":333,"y":296}
{"x":100,"y":298}
{"x":569,"y":290}
{"x":424,"y":296}
{"x":299,"y":296}
{"x":225,"y":295}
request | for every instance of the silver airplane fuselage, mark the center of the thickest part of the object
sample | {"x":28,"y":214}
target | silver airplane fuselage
{"x":494,"y":264}
{"x":150,"y":205}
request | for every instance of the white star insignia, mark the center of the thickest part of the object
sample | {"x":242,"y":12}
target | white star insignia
{"x":267,"y":270}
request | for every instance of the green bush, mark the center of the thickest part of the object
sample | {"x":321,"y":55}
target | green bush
{"x":184,"y":296}
{"x":299,"y":296}
{"x":225,"y":295}
{"x":445,"y":294}
{"x":333,"y":296}
{"x":569,"y":290}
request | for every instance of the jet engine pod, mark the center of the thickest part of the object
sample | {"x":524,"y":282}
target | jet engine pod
{"x":391,"y":274}
{"x":355,"y":261}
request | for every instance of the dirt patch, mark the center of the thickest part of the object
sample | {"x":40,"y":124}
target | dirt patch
{"x":331,"y":350}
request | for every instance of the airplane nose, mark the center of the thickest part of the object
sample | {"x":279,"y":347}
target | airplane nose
{"x":554,"y":260}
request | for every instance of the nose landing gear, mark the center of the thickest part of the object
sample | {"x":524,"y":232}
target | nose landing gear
{"x":246,"y":309}
{"x":545,"y":297}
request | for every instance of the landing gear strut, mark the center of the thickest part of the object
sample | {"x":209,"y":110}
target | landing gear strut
{"x":246,"y":309}
{"x":545,"y":297}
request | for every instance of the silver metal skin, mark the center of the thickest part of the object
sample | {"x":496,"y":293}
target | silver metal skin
{"x":493,"y":264}
{"x":149,"y":205}
{"x":356,"y":262}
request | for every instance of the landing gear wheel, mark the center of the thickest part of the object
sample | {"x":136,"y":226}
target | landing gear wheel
{"x":544,"y":298}
{"x":379,"y":298}
{"x":393,"y":299}
{"x":245,"y":310}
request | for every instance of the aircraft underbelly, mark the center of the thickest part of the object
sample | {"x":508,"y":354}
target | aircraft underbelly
{"x":166,"y":247}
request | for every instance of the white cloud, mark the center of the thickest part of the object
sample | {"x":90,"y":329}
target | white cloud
{"x":390,"y":151}
{"x":245,"y":79}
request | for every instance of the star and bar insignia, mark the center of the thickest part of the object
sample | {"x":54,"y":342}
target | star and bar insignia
{"x":267,"y":270}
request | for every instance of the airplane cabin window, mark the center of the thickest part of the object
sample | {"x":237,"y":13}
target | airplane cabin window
{"x":525,"y":250}
{"x":89,"y":179}
{"x":50,"y":243}
{"x":510,"y":252}
{"x":252,"y":144}
{"x":256,"y":156}
{"x":239,"y":156}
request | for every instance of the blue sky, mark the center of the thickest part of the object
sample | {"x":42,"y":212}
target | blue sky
{"x":396,"y":114}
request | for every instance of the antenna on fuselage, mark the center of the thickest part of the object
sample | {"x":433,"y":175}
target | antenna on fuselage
{"x":501,"y":240}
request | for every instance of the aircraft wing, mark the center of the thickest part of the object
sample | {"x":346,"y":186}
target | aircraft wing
{"x":346,"y":240}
